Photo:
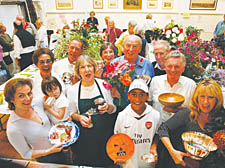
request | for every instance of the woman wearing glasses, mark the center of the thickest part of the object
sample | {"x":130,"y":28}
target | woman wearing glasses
{"x":43,"y":58}
{"x":205,"y":107}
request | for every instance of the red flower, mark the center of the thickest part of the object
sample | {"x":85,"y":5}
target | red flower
{"x":132,"y":67}
{"x":110,"y":68}
{"x":178,"y":42}
{"x":86,"y":25}
{"x":181,"y":30}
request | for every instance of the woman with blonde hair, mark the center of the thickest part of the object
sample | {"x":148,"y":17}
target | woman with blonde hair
{"x":89,"y":150}
{"x":202,"y":116}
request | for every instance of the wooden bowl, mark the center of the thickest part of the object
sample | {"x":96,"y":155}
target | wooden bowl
{"x":171,"y":101}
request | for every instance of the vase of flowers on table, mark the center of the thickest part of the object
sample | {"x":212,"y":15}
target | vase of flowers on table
{"x":119,"y":74}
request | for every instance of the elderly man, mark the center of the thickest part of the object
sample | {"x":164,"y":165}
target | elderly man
{"x":161,"y":49}
{"x":119,"y":42}
{"x":131,"y":48}
{"x":74,"y":49}
{"x":171,"y":82}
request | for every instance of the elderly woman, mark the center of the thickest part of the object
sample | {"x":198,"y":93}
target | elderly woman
{"x":43,"y":58}
{"x":107,"y":53}
{"x":92,"y":21}
{"x":206,"y":105}
{"x":28,"y":125}
{"x":90,"y":147}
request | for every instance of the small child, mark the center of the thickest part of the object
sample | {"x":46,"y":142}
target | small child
{"x":140,"y":122}
{"x":52,"y":88}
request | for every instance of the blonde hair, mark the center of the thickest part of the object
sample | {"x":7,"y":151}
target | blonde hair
{"x":81,"y":59}
{"x":213,"y":89}
{"x":91,"y":12}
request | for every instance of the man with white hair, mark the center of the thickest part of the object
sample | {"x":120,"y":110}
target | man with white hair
{"x":119,"y":42}
{"x":171,"y":82}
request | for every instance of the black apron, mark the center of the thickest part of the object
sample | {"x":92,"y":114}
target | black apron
{"x":90,"y":148}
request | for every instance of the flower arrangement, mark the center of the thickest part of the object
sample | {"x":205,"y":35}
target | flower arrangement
{"x":174,"y":34}
{"x":198,"y":55}
{"x":155,"y":34}
{"x":83,"y":32}
{"x":216,"y":74}
{"x":192,"y":33}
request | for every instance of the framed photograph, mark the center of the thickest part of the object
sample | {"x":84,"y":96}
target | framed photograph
{"x":167,"y":4}
{"x":64,"y":4}
{"x":132,"y":4}
{"x":152,"y":4}
{"x":98,"y":4}
{"x":203,"y":4}
{"x":113,"y":3}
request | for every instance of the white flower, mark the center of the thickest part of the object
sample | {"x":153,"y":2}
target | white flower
{"x":178,"y":31}
{"x":168,"y":32}
{"x":213,"y":60}
{"x":174,"y":40}
{"x":168,"y":36}
{"x":175,"y":29}
{"x":181,"y":37}
{"x":174,"y":35}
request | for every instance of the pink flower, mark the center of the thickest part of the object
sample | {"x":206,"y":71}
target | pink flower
{"x":107,"y":85}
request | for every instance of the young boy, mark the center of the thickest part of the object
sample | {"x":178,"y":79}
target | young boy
{"x":139,"y":121}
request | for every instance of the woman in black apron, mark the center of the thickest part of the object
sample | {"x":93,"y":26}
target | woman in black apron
{"x":90,"y":148}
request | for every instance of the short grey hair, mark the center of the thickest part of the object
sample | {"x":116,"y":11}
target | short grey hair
{"x":132,"y":23}
{"x":176,"y":54}
{"x":139,"y":30}
{"x":129,"y":37}
{"x":165,"y":44}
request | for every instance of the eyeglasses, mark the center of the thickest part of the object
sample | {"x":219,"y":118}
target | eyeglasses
{"x":42,"y":62}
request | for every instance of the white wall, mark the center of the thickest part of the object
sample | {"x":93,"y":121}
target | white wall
{"x":206,"y":19}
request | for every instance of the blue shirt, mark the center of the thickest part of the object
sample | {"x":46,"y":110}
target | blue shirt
{"x":141,"y":68}
{"x":218,"y":27}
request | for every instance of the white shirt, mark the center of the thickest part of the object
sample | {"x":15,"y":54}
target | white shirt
{"x":60,"y":102}
{"x":159,"y":84}
{"x":141,"y":131}
{"x":37,"y":92}
{"x":42,"y":37}
{"x":18,"y":48}
{"x":148,"y":25}
{"x":87,"y":92}
{"x":61,"y":66}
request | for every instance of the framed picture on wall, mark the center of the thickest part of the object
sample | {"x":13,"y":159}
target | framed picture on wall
{"x":203,"y":4}
{"x":152,"y":4}
{"x":113,"y":3}
{"x":64,"y":4}
{"x":98,"y":4}
{"x":167,"y":4}
{"x":132,"y":4}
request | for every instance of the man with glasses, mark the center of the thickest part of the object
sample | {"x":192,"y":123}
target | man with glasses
{"x":74,"y":49}
{"x":43,"y":58}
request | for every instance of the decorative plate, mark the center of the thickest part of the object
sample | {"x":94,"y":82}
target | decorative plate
{"x":65,"y":133}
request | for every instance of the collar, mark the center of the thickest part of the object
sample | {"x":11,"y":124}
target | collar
{"x":157,"y":66}
{"x":180,"y":81}
{"x":133,"y":114}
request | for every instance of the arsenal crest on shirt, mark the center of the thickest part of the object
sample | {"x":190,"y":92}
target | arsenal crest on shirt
{"x":148,"y":124}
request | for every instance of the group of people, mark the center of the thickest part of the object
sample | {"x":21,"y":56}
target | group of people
{"x":143,"y":118}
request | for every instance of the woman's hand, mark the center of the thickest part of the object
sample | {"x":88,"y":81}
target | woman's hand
{"x":85,"y":121}
{"x":103,"y":109}
{"x":178,"y":157}
{"x":54,"y":149}
{"x":46,"y":106}
{"x":98,"y":73}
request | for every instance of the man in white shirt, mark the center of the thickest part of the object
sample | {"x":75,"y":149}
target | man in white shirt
{"x":171,"y":82}
{"x":74,"y":49}
{"x":41,"y":34}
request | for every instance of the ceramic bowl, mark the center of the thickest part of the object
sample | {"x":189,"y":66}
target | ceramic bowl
{"x":197,"y":144}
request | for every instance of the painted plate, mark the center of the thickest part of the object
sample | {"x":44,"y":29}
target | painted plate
{"x":65,"y":133}
{"x":120,"y":147}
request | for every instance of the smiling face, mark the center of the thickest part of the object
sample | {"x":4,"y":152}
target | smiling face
{"x":131,"y":48}
{"x":44,"y":65}
{"x":206,"y":102}
{"x":174,"y":68}
{"x":86,"y":71}
{"x":108,"y":55}
{"x":137,"y":99}
{"x":22,"y":98}
{"x":74,"y":50}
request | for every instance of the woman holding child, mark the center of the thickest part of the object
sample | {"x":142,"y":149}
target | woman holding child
{"x":206,"y":105}
{"x":28,"y":125}
{"x":90,"y":147}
